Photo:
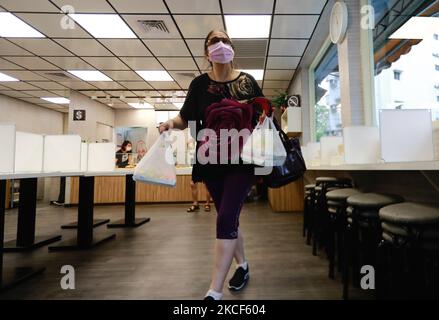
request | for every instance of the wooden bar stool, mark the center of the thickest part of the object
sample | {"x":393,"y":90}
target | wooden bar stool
{"x":410,"y":242}
{"x":363,"y":233}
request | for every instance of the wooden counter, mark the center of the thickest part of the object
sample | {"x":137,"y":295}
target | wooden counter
{"x":111,"y":189}
{"x":288,"y":198}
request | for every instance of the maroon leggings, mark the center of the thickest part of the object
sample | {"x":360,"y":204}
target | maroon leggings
{"x":228,"y":193}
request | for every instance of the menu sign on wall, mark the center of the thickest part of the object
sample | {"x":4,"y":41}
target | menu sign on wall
{"x":78,"y":115}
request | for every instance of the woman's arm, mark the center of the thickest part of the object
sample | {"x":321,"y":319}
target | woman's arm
{"x":175,"y":123}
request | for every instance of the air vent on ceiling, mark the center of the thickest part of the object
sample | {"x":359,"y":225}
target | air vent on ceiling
{"x":250,"y":48}
{"x":61,"y":75}
{"x":153,"y":26}
{"x":187,"y":74}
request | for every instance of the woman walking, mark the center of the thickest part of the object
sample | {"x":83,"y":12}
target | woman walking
{"x":228,"y":184}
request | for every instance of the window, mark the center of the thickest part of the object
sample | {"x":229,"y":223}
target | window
{"x":404,"y":74}
{"x":327,"y":109}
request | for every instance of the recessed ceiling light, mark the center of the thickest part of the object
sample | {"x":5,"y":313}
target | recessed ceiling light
{"x":258,"y":74}
{"x":141,"y":105}
{"x":417,"y":28}
{"x":6,"y":78}
{"x":179,"y":105}
{"x":13,"y":27}
{"x":103,"y":25}
{"x":58,"y":100}
{"x":90,"y":75}
{"x":154,"y":75}
{"x":248,"y":26}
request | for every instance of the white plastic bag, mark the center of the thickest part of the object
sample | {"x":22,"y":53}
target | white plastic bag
{"x":264,"y":147}
{"x":158,"y":165}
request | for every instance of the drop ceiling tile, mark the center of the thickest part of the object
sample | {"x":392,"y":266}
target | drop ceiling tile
{"x":196,"y":46}
{"x":48,"y":85}
{"x":167,"y":47}
{"x":247,"y":6}
{"x":249,"y":63}
{"x":9,"y":49}
{"x":284,"y":47}
{"x":54,"y":25}
{"x":194,"y":6}
{"x":136,"y":6}
{"x":178,"y":63}
{"x":160,"y":85}
{"x":282,"y":62}
{"x":95,"y":93}
{"x":24,"y":75}
{"x":14,"y":94}
{"x":106,"y":85}
{"x":202,"y":63}
{"x":70,"y":63}
{"x":126,"y":47}
{"x":106,"y":63}
{"x":157,"y":30}
{"x":299,"y":6}
{"x":184,"y":78}
{"x":38,"y":93}
{"x":33,"y":63}
{"x":4,"y":88}
{"x":293,"y":26}
{"x":78,"y":85}
{"x":84,"y":47}
{"x":95,"y":6}
{"x":7,"y":65}
{"x":193,"y":26}
{"x":279,"y":74}
{"x":135,"y":85}
{"x":62,"y":93}
{"x":42,"y":47}
{"x":275,"y":84}
{"x":19,"y":86}
{"x":123,"y":75}
{"x":29,"y":6}
{"x":142,"y":63}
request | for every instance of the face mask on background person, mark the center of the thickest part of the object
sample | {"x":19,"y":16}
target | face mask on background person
{"x":221,"y":53}
{"x":128,"y":149}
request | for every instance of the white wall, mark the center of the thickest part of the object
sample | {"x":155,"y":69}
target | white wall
{"x":29,"y":117}
{"x":138,"y":118}
{"x":96,"y":112}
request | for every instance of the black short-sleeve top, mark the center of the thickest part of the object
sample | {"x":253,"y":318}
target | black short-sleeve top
{"x":203,"y":92}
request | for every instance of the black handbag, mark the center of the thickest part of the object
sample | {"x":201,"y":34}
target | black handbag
{"x":294,"y":166}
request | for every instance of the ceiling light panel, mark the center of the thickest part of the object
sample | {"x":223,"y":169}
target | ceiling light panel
{"x":258,"y":74}
{"x":248,"y":26}
{"x":6,"y":78}
{"x":90,"y":75}
{"x":104,"y":25}
{"x":154,"y":75}
{"x":13,"y":27}
{"x":58,"y":100}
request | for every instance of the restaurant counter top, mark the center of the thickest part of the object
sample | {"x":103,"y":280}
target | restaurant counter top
{"x":393,"y":166}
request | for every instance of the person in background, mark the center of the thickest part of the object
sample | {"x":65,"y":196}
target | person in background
{"x":141,"y":150}
{"x":195,"y":206}
{"x":123,"y":154}
{"x":228,"y":184}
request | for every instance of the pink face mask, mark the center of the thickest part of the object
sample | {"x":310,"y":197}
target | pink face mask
{"x":221,"y":53}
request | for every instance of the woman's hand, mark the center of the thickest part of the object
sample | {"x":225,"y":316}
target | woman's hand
{"x":166,"y":126}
